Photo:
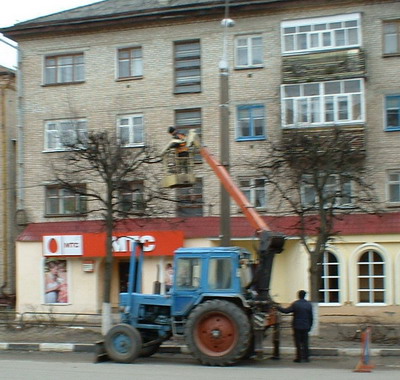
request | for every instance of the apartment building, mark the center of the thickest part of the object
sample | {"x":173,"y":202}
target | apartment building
{"x":139,"y":67}
{"x":8,"y":109}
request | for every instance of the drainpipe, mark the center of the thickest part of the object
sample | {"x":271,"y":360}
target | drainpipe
{"x":4,"y":181}
{"x":20,"y":137}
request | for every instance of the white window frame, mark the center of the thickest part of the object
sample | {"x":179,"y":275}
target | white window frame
{"x":371,"y":276}
{"x":58,"y":130}
{"x":134,"y":62}
{"x":309,"y":32}
{"x":393,"y":182}
{"x":252,"y":191}
{"x":326,"y":276}
{"x":313,"y":104}
{"x":307,"y":187}
{"x":131,"y":128}
{"x":249,"y":46}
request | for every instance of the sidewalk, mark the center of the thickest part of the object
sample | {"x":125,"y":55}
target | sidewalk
{"x":64,"y":339}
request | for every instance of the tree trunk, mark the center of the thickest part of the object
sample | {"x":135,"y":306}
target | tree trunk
{"x":315,"y":277}
{"x":106,"y":310}
{"x":106,"y":318}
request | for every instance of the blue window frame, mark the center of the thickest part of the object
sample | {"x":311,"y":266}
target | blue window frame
{"x":250,"y":122}
{"x":392,"y":113}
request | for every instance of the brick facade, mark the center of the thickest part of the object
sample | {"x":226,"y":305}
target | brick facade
{"x":7,"y":179}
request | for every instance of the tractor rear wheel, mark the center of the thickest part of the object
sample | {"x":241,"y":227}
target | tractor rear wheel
{"x":123,"y":343}
{"x":218,"y":333}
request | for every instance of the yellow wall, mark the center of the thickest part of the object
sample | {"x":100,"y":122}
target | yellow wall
{"x":82,"y":286}
{"x":289,"y":274}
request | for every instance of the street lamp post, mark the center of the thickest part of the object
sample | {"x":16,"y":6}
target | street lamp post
{"x":225,"y":220}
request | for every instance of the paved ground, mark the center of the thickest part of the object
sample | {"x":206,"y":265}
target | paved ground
{"x":330,"y":336}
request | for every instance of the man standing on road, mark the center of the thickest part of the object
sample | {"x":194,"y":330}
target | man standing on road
{"x":302,"y":322}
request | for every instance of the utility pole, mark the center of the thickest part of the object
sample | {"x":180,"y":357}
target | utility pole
{"x":225,"y":203}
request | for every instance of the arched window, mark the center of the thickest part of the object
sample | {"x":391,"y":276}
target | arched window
{"x":329,"y":289}
{"x":371,"y":277}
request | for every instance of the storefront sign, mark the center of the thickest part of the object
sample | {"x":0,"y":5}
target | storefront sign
{"x":63,"y":245}
{"x":155,"y":243}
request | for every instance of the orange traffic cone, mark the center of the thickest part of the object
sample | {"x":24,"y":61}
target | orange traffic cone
{"x":364,"y":364}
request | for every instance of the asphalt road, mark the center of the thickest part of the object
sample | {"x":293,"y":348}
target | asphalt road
{"x":80,"y":366}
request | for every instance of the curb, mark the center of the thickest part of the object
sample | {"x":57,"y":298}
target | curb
{"x":47,"y":347}
{"x":178,"y":349}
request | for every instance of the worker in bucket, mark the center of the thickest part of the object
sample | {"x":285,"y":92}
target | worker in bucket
{"x":179,"y":144}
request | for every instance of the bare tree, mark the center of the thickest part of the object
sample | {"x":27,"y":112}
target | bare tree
{"x":116,"y":182}
{"x":319,"y":176}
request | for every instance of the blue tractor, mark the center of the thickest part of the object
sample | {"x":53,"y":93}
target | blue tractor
{"x":219,"y":305}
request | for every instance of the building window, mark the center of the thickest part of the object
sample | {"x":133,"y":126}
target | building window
{"x":64,"y":69}
{"x":187,"y":66}
{"x":323,"y":103}
{"x":131,"y":130}
{"x":220,"y":274}
{"x":254,"y":190}
{"x":392,"y":111}
{"x":250,"y":122}
{"x":62,"y":134}
{"x":130,"y":62}
{"x":394,"y":186}
{"x":61,"y":201}
{"x":132,"y":197}
{"x":323,"y":33}
{"x":190,"y":200}
{"x":391,"y":40}
{"x":249,"y":51}
{"x":188,"y":119}
{"x":188,"y":273}
{"x":329,"y":290}
{"x":371,"y":278}
{"x":336,"y":189}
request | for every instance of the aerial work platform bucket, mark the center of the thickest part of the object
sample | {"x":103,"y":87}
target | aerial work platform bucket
{"x":179,"y":171}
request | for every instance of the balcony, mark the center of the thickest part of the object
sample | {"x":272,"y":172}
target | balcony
{"x":327,"y":66}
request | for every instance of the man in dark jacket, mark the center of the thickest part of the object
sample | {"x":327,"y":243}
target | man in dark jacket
{"x":302,"y":322}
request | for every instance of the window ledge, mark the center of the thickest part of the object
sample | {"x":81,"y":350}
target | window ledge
{"x":258,"y":138}
{"x":127,"y":79}
{"x":329,"y":304}
{"x":392,"y":129}
{"x":392,"y":204}
{"x":139,"y":145}
{"x":65,"y":215}
{"x":62,"y":84}
{"x":390,"y":55}
{"x":255,"y":67}
{"x":371,"y":304}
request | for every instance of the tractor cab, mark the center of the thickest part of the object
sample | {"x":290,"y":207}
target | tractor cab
{"x":212,"y":272}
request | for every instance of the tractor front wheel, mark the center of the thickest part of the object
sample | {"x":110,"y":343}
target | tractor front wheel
{"x":218,"y":333}
{"x":123,"y":343}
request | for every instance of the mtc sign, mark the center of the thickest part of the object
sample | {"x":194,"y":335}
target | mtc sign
{"x":124,"y":243}
{"x":63,"y":245}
